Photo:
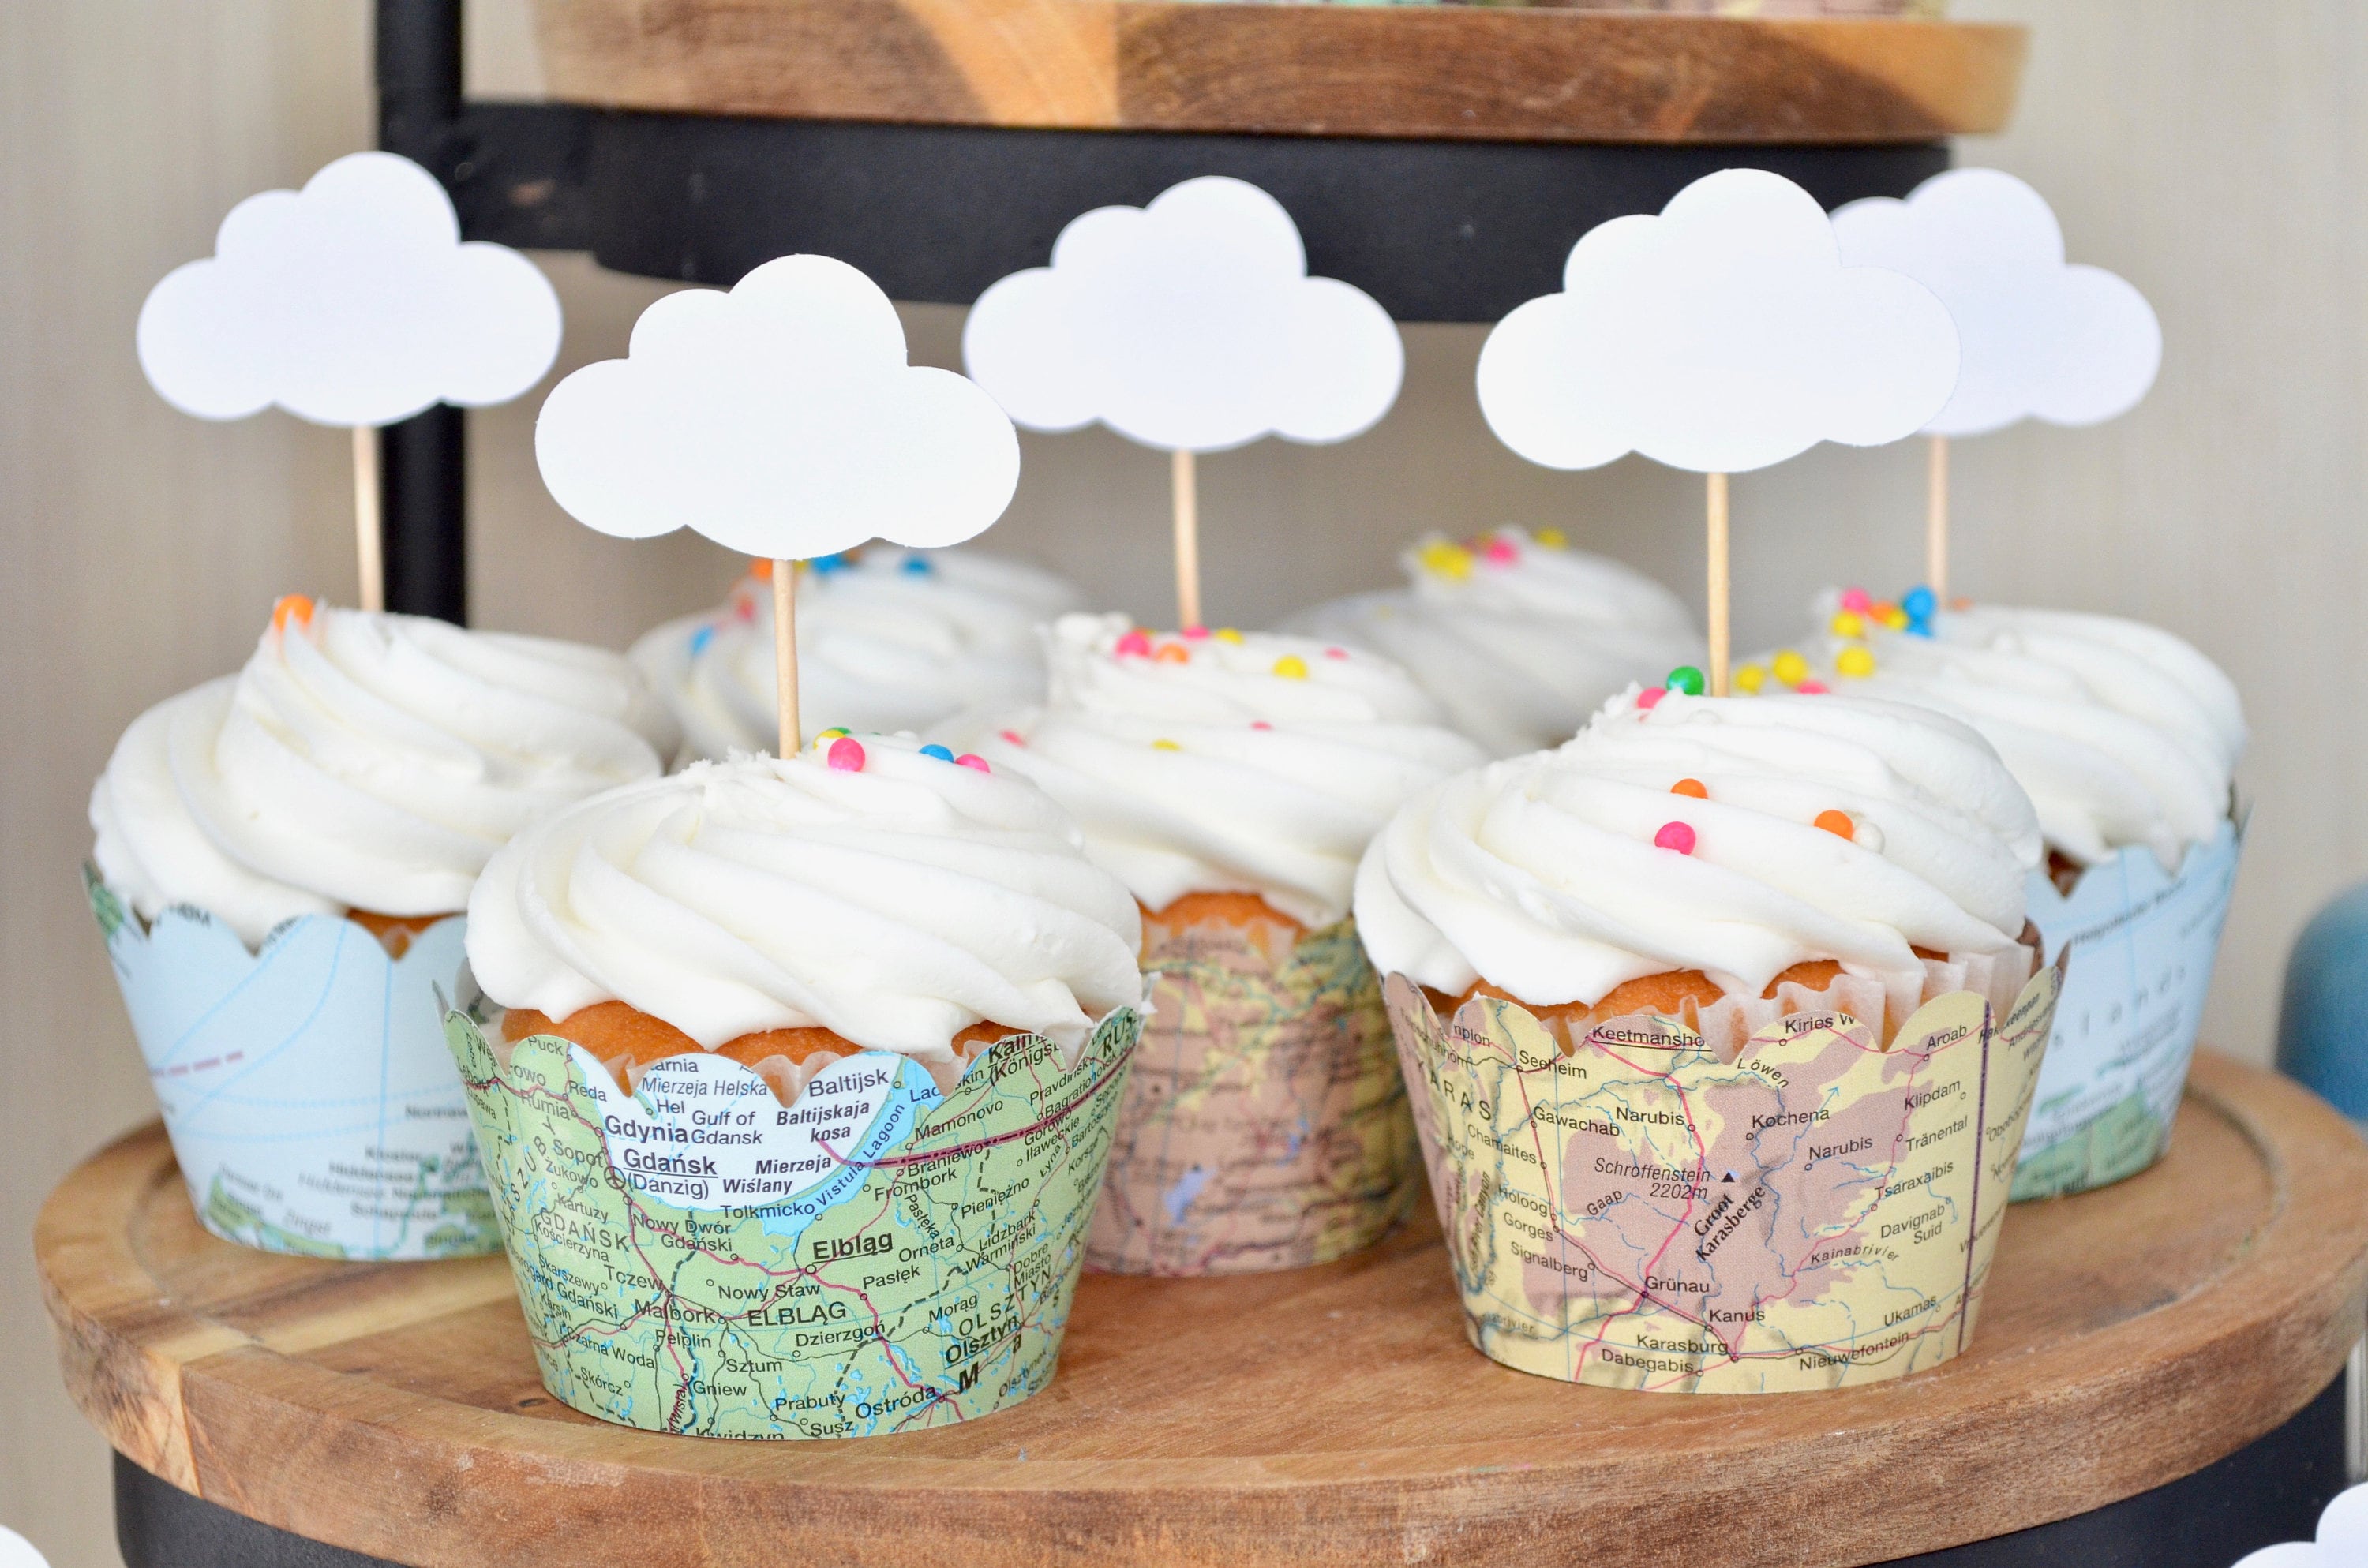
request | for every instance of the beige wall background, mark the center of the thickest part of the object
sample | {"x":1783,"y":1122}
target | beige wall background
{"x":2213,"y":154}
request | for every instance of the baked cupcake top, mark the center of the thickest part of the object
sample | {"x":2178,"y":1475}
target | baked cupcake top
{"x":888,"y":640}
{"x":2122,"y":734}
{"x":1733,"y":837}
{"x":890,"y":894}
{"x":362,"y":761}
{"x":1518,"y":636}
{"x":1224,"y":761}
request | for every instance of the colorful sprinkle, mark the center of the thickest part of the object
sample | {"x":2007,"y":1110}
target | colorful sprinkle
{"x":1012,"y":737}
{"x":1173,"y":653}
{"x":1291,"y":666}
{"x":1694,"y":786}
{"x":1920,"y":628}
{"x":1790,"y":667}
{"x":1855,"y":661}
{"x":916,"y":565}
{"x":1837,"y":824}
{"x":743,"y":608}
{"x":1918,"y":603}
{"x":297,"y":608}
{"x":1261,"y":725}
{"x":1856,"y":599}
{"x":973,"y":761}
{"x":1685,"y":679}
{"x":1166,"y":745}
{"x":761,"y":569}
{"x":1848,"y":623}
{"x":847,"y":755}
{"x":1895,"y":618}
{"x":830,"y":735}
{"x":1552,"y":539}
{"x":1749,"y":679}
{"x":1811,"y":688}
{"x":1336,"y":653}
{"x":1500,"y":552}
{"x":1227,"y":634}
{"x":1676,"y":835}
{"x":1195,"y":632}
{"x":943,"y":753}
{"x":700,"y":639}
{"x":827,"y":565}
{"x":1650,"y":698}
{"x":1137,"y":642}
{"x":1446,"y":558}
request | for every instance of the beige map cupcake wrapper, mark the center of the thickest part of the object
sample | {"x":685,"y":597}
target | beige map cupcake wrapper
{"x":1640,"y":1214}
{"x":312,"y":1104}
{"x":2143,"y":941}
{"x":878,"y":1256}
{"x":1266,"y":1124}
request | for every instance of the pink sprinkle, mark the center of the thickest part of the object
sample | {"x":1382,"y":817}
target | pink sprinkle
{"x":1195,"y":632}
{"x":1651,"y":696}
{"x":1675,"y":835}
{"x":744,"y":609}
{"x":1137,"y":641}
{"x":1500,"y":552}
{"x":970,"y":759}
{"x":847,"y":755}
{"x":1261,"y":725}
{"x":1856,"y":602}
{"x":1813,"y":688}
{"x":1336,"y":653}
{"x":1014,"y":736}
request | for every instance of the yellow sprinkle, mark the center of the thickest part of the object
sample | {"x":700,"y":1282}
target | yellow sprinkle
{"x":1896,"y":619}
{"x":1552,"y":539}
{"x":1291,"y":666}
{"x":1855,"y":661}
{"x":1227,"y":634}
{"x":1447,"y":558}
{"x":1848,"y":624}
{"x":1790,"y":667}
{"x":1749,"y":678}
{"x":825,"y":737}
{"x":1166,"y":745}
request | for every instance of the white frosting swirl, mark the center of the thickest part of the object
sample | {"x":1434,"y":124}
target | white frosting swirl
{"x":1519,"y":637}
{"x":888,"y":640}
{"x":1228,"y":762}
{"x":2122,"y":734}
{"x":1541,"y":875}
{"x":362,"y":761}
{"x":896,"y":904}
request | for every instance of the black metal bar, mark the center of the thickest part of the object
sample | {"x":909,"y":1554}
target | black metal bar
{"x":423,"y":483}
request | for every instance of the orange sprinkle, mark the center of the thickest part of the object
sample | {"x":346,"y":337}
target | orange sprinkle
{"x":1689,"y":787}
{"x":1172,"y":653}
{"x":1838,"y":823}
{"x":761,"y":569}
{"x":292,"y":607}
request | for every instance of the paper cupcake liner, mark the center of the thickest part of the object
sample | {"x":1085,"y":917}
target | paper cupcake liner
{"x":1642,"y":1213}
{"x":311,"y":1102}
{"x":1266,"y":1124}
{"x":695,"y":1257}
{"x":2143,"y":944}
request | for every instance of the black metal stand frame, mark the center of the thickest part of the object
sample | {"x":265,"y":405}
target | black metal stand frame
{"x":1436,"y":230}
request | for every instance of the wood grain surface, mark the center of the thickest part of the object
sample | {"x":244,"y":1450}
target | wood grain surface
{"x":1330,"y":1415}
{"x":1461,"y":72}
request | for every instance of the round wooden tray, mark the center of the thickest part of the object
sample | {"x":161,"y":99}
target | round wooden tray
{"x":1333,"y":1416}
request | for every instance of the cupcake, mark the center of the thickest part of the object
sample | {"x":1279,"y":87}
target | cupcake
{"x":281,"y":863}
{"x":1515,"y":636}
{"x":888,"y":640}
{"x":2126,"y":738}
{"x":794,"y":1081}
{"x":1723,"y":1020}
{"x":1230,"y":781}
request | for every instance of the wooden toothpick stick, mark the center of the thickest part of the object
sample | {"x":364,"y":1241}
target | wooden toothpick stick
{"x":1186,"y":487}
{"x":785,"y":655}
{"x":369,"y":547}
{"x":1936,"y":521}
{"x":1719,"y":584}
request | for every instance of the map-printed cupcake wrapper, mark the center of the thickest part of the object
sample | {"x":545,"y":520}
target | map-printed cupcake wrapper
{"x":1266,"y":1124}
{"x":311,"y":1102}
{"x":2143,"y":942}
{"x":1641,"y":1214}
{"x":878,"y":1256}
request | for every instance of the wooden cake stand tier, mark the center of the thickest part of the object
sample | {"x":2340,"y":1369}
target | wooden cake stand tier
{"x":2130,"y":1337}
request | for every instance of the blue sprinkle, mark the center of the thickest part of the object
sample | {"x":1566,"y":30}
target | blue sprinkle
{"x":940,"y":753}
{"x":1920,"y":628}
{"x":827,"y":563}
{"x":1918,"y":603}
{"x":700,"y":639}
{"x":918,"y":565}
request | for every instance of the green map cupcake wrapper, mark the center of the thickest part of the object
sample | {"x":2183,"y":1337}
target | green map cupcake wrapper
{"x":2126,"y":1029}
{"x":1265,"y":1125}
{"x":311,"y":1105}
{"x":697,"y":1257}
{"x":1640,"y":1214}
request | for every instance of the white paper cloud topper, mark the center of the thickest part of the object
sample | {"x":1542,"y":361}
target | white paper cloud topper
{"x":1723,"y":336}
{"x":1190,"y":325}
{"x":781,"y":420}
{"x":351,"y":301}
{"x":2070,"y":345}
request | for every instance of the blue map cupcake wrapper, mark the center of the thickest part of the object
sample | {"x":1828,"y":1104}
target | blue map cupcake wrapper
{"x":2143,"y":942}
{"x":697,"y":1257}
{"x":306,"y":1089}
